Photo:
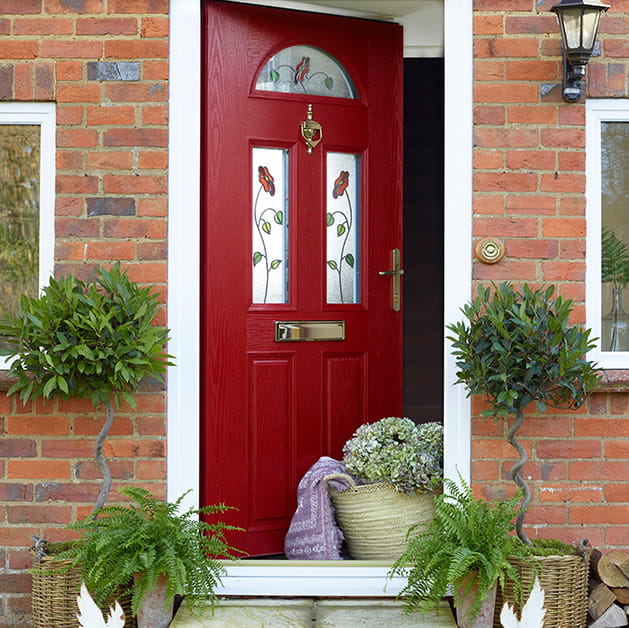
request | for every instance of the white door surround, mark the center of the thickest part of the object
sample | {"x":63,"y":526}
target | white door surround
{"x":184,"y":241}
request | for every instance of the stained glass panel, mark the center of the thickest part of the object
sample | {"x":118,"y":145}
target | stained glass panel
{"x":306,"y":70}
{"x":343,"y":228}
{"x":270,"y":225}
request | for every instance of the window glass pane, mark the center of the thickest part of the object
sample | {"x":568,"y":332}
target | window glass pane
{"x":343,"y":228}
{"x":270,"y":225}
{"x":306,"y":70}
{"x":19,"y":213}
{"x":615,"y":236}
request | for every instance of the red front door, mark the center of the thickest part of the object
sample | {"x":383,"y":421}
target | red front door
{"x":302,"y":211}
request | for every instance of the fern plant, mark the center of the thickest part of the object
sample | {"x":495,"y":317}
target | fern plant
{"x":467,"y":534}
{"x":128,"y":547}
{"x":614,"y":260}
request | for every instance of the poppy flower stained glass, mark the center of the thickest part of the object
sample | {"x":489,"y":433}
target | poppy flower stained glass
{"x":269,"y":258}
{"x":306,"y":70}
{"x":342,"y":221}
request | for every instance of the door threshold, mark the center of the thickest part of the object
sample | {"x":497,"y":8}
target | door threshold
{"x":324,"y":578}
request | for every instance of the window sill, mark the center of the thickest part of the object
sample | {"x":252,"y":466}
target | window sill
{"x":614,"y":380}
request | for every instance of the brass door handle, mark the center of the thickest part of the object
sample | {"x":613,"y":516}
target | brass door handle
{"x":395,"y":273}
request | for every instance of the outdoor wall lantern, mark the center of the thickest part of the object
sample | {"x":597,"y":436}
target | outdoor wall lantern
{"x":578,"y":20}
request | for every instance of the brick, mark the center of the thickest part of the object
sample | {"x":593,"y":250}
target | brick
{"x":38,"y":514}
{"x":20,"y":49}
{"x":87,"y":93}
{"x":44,"y":82}
{"x":505,"y":92}
{"x":488,"y":24}
{"x":563,"y":227}
{"x":138,"y":6}
{"x":155,"y":26}
{"x":17,"y":537}
{"x":67,"y":448}
{"x":562,"y":182}
{"x":502,"y":5}
{"x":483,"y":470}
{"x":17,"y":448}
{"x":76,"y":228}
{"x":560,"y":492}
{"x":563,"y":138}
{"x":572,"y":249}
{"x":619,"y":403}
{"x":152,"y":207}
{"x":153,"y":160}
{"x":110,"y":250}
{"x":20,"y":7}
{"x":110,"y":206}
{"x":6,"y":82}
{"x":134,"y":184}
{"x":491,"y":448}
{"x":531,"y":159}
{"x":113,"y":71}
{"x":151,"y":469}
{"x":69,"y":250}
{"x":574,"y":115}
{"x":529,"y":25}
{"x":563,"y":271}
{"x":489,"y":115}
{"x":531,"y":70}
{"x":618,"y":449}
{"x":572,"y":449}
{"x":33,"y":469}
{"x":71,"y":49}
{"x":505,"y":181}
{"x":119,"y":469}
{"x":532,"y":249}
{"x":76,"y":138}
{"x":15,"y":492}
{"x":136,"y":137}
{"x":617,"y":536}
{"x":148,"y":273}
{"x":73,"y":6}
{"x":5,"y":27}
{"x":70,"y":160}
{"x":62,"y":491}
{"x":155,"y":70}
{"x":616,"y":79}
{"x":89,"y":425}
{"x":616,"y":48}
{"x":506,"y":47}
{"x":488,"y":160}
{"x":597,"y":470}
{"x":81,"y":184}
{"x":617,"y":492}
{"x":489,"y":70}
{"x":15,"y":582}
{"x":532,"y":114}
{"x":107,"y":26}
{"x":23,"y":81}
{"x":136,"y":49}
{"x":599,"y":514}
{"x":42,"y":26}
{"x":505,"y":138}
{"x":572,"y":206}
{"x":65,"y":206}
{"x":69,"y":70}
{"x":504,"y":227}
{"x":155,"y":114}
{"x":110,"y":115}
{"x":574,"y":161}
{"x":507,"y":270}
{"x":50,"y":425}
{"x":111,"y":160}
{"x":151,"y":251}
{"x":136,"y":92}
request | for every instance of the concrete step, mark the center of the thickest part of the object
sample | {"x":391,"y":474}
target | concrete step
{"x":311,"y":613}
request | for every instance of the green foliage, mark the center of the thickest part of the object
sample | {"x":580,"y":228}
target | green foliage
{"x":93,"y":340}
{"x":517,"y":347}
{"x":614,"y":260}
{"x":467,"y":534}
{"x":551,"y":547}
{"x":146,"y":539}
{"x":396,"y":450}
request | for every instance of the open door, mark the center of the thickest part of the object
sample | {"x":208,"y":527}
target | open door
{"x":302,"y":236}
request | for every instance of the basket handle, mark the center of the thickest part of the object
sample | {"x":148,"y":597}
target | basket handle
{"x":340,"y":476}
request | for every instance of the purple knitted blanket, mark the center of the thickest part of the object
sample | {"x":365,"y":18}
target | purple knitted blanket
{"x":313,"y":533}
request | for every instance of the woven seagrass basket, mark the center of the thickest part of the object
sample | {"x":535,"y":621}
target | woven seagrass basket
{"x":55,"y":587}
{"x":375,"y":518}
{"x":564,"y":580}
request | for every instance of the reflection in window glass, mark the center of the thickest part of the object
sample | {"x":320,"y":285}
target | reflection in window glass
{"x":270,"y":225}
{"x":342,"y":228}
{"x":306,"y":70}
{"x":615,"y":234}
{"x":19,"y":213}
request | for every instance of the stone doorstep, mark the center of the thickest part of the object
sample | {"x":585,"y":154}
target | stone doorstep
{"x":311,"y":613}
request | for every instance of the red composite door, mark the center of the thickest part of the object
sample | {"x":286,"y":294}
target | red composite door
{"x":301,"y":337}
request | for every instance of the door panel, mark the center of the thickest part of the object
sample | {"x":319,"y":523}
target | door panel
{"x":292,"y":236}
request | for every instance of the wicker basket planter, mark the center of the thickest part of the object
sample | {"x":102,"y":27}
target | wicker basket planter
{"x":564,"y":580}
{"x":375,"y":518}
{"x":54,"y":591}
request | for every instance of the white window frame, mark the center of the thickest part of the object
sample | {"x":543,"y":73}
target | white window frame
{"x":598,"y":111}
{"x":43,"y":115}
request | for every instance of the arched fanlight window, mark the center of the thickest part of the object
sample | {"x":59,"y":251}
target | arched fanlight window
{"x":306,"y":70}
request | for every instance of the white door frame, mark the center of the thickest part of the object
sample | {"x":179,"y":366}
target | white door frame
{"x":184,"y":262}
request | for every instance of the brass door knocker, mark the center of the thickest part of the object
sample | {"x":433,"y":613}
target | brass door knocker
{"x":311,"y":131}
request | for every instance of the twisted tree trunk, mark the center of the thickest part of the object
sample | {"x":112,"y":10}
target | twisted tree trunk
{"x":517,"y":477}
{"x":100,"y":458}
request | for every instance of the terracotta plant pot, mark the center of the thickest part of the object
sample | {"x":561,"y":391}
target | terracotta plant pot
{"x":463,"y":603}
{"x":151,"y":613}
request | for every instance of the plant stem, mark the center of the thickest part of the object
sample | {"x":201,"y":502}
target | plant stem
{"x":100,"y":458}
{"x":517,"y":477}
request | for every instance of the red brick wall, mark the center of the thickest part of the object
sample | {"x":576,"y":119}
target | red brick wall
{"x":529,"y":184}
{"x":110,"y":205}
